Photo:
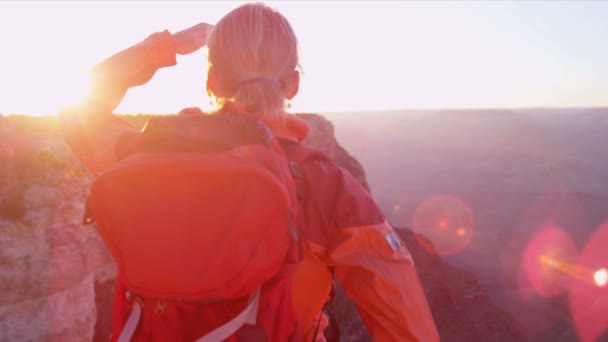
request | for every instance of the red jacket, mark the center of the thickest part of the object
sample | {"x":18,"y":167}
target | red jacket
{"x":342,"y":227}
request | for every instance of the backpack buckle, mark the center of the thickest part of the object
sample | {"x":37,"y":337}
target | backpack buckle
{"x":160,"y":307}
{"x":87,"y":217}
{"x":132,"y":297}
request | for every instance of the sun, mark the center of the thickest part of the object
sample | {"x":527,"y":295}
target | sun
{"x":69,"y":92}
{"x":52,"y":94}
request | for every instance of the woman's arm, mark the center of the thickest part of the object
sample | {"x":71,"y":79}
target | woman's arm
{"x":90,"y":129}
{"x":372,"y":264}
{"x":378,"y":274}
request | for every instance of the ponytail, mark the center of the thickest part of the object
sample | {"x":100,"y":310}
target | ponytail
{"x":260,"y":95}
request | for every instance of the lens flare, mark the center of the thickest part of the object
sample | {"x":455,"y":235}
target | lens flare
{"x":601,"y":277}
{"x":549,"y":261}
{"x":589,"y":298}
{"x":461,"y":231}
{"x":444,"y":224}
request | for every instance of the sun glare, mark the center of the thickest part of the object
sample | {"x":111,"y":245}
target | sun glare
{"x":70,"y":92}
{"x":47,"y":90}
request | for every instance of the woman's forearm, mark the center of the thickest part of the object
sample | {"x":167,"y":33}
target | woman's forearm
{"x":90,"y":129}
{"x":131,"y":67}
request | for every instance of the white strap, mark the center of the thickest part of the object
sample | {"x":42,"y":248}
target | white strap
{"x":129,"y":329}
{"x":248,"y":315}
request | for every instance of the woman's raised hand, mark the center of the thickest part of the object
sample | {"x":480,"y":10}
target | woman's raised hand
{"x":191,"y":39}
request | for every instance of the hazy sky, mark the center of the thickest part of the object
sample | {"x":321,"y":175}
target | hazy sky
{"x":356,"y":55}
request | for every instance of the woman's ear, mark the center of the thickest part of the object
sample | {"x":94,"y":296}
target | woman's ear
{"x":291,"y":85}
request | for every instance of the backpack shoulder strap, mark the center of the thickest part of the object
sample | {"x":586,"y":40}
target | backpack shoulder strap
{"x":297,"y":154}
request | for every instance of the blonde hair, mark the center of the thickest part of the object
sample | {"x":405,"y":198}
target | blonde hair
{"x":252,"y":50}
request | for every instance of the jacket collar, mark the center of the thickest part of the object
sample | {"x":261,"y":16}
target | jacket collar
{"x":289,"y":127}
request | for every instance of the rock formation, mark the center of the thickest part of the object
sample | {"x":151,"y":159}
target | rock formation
{"x":49,"y":262}
{"x":57,"y":278}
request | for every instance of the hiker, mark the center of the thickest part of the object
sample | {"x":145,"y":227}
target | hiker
{"x":253,"y":72}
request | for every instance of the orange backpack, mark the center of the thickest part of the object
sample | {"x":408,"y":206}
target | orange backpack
{"x":199,"y":216}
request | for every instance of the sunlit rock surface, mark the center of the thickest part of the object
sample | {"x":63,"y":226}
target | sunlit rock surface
{"x":50,"y":264}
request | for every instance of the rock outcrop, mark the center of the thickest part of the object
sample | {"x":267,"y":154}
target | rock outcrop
{"x":49,"y":262}
{"x":57,"y":278}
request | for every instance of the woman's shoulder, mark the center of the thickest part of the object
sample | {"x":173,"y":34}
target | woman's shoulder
{"x":191,"y":111}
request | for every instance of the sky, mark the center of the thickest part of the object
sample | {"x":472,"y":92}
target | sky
{"x":356,"y":55}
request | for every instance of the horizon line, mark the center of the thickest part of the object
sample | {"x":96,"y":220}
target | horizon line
{"x":409,"y":109}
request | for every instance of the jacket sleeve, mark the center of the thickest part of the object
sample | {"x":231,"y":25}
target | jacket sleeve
{"x":90,"y":129}
{"x":375,"y":268}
